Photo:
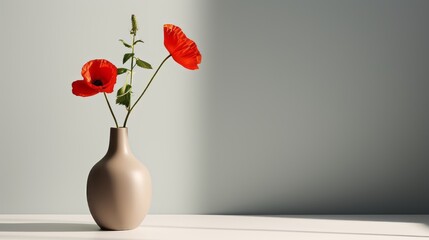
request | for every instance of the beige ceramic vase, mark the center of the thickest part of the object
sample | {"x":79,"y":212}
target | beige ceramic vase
{"x":119,"y":189}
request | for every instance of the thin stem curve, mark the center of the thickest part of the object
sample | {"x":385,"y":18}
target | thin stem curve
{"x":111,"y":111}
{"x":147,"y":86}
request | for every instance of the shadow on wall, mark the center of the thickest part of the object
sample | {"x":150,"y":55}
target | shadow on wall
{"x":318,"y":107}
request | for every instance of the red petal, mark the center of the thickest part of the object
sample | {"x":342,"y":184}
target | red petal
{"x":188,"y":56}
{"x":81,"y":88}
{"x":172,"y":37}
{"x":109,"y":88}
{"x":88,"y":70}
{"x":183,"y":50}
{"x":100,"y":69}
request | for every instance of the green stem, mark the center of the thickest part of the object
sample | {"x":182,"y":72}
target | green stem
{"x":147,"y":86}
{"x":132,"y":66}
{"x":111,"y":111}
{"x":132,"y":59}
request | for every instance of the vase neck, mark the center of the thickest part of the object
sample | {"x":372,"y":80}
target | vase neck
{"x":118,"y":142}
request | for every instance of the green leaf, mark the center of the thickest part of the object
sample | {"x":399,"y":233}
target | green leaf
{"x":125,"y":44}
{"x":127,"y":56}
{"x":123,"y":96}
{"x":122,"y":70}
{"x":143,"y":64}
{"x":138,"y":42}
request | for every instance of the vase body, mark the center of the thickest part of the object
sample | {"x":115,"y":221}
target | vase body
{"x":119,"y":188}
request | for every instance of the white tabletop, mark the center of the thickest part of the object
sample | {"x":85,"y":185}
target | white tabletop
{"x":190,"y":227}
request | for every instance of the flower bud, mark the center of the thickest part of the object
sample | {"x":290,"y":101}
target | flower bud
{"x":134,"y":27}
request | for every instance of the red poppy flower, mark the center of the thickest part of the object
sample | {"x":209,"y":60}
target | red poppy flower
{"x":99,"y":75}
{"x":183,"y":50}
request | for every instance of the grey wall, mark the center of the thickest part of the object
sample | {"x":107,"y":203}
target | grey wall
{"x":319,"y":107}
{"x":299,"y":106}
